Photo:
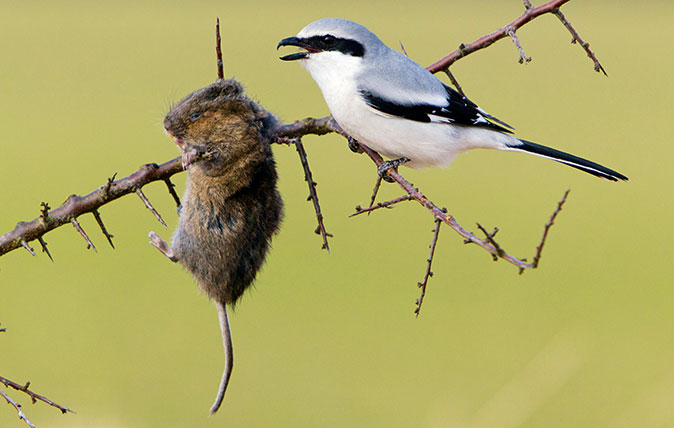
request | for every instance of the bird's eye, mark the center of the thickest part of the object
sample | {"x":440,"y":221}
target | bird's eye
{"x":329,"y":40}
{"x":194,"y":116}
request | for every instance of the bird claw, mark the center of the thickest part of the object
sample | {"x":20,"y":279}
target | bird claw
{"x":382,"y":169}
{"x":354,"y":146}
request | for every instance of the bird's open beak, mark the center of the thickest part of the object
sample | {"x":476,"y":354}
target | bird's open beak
{"x":295,"y":41}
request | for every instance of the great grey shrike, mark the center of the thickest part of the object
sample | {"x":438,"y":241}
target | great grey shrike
{"x":393,"y":105}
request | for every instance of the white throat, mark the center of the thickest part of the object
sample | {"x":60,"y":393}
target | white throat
{"x":335,"y":73}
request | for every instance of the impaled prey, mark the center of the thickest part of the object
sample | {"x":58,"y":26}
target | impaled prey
{"x":231,"y":207}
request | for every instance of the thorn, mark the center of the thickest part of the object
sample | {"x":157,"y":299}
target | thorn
{"x":27,"y":247}
{"x":149,"y":206}
{"x":77,"y":226}
{"x":44,"y":248}
{"x":99,"y":220}
{"x":172,"y":191}
{"x":106,"y":188}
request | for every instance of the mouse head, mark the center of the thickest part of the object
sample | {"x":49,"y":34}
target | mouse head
{"x":222,"y":121}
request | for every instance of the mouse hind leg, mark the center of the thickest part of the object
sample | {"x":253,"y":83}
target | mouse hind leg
{"x":162,"y":246}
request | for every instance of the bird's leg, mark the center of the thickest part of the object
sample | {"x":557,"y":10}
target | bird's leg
{"x":382,"y":169}
{"x":354,"y":146}
{"x":162,"y":246}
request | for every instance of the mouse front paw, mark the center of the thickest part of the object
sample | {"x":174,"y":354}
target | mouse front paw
{"x":188,"y":157}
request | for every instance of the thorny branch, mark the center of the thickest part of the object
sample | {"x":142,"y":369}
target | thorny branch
{"x":313,"y":195}
{"x":529,"y":14}
{"x":422,"y":285}
{"x":17,"y":406}
{"x":34,"y":397}
{"x":76,"y":206}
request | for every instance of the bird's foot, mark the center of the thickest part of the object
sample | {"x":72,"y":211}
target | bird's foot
{"x":354,"y":146}
{"x":382,"y":169}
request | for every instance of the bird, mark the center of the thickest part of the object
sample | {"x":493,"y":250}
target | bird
{"x":393,"y":105}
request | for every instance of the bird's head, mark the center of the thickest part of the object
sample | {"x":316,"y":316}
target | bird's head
{"x":332,"y":41}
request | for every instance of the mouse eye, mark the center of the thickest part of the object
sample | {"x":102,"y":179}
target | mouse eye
{"x":194,"y":116}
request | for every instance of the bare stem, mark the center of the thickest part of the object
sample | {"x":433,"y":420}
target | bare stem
{"x":218,"y":50}
{"x":313,"y":195}
{"x":33,"y":396}
{"x":387,"y":204}
{"x":523,"y":58}
{"x":548,"y":225}
{"x":576,"y":39}
{"x":17,"y":406}
{"x":455,"y":82}
{"x":422,"y":285}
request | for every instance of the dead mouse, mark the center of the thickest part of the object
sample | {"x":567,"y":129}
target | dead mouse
{"x":231,"y":207}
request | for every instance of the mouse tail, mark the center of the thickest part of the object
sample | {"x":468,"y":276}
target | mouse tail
{"x":229,"y":355}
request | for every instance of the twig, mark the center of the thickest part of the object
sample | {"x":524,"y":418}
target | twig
{"x":489,"y":39}
{"x":429,"y":273}
{"x":387,"y":204}
{"x":576,"y":39}
{"x":34,"y":397}
{"x":218,"y":49}
{"x":313,"y":195}
{"x":78,"y":227}
{"x":17,"y":406}
{"x":149,"y":206}
{"x":455,"y":82}
{"x":377,"y":184}
{"x":99,"y":220}
{"x":549,"y":224}
{"x":523,"y":58}
{"x":490,"y":238}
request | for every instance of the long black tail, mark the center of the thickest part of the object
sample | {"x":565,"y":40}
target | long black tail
{"x":568,"y":159}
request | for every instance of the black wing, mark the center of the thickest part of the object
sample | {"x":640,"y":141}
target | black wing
{"x":460,"y":111}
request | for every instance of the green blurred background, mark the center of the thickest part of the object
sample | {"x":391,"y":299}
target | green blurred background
{"x":124,"y":337}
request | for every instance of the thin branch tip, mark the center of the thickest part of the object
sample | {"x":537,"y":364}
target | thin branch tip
{"x":313,"y":195}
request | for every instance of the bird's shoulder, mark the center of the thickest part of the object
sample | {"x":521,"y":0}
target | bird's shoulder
{"x":398,"y":86}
